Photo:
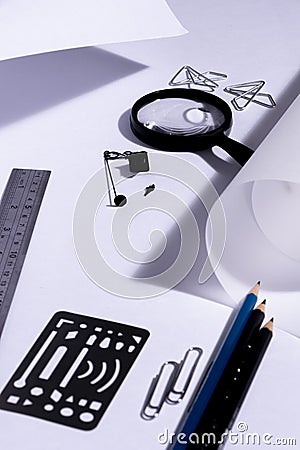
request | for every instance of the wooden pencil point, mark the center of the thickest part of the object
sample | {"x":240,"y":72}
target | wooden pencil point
{"x":255,"y":290}
{"x":262,"y":307}
{"x":269,"y":325}
{"x":264,"y":302}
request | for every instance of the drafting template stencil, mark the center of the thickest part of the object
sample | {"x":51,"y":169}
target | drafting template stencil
{"x":73,"y":370}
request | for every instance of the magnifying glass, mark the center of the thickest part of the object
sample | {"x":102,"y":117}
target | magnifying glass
{"x":185,"y":120}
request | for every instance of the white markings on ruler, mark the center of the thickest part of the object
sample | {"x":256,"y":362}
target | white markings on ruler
{"x":19,"y":207}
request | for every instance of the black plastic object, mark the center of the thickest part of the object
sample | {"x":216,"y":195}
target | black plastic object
{"x":216,"y":122}
{"x":74,"y":369}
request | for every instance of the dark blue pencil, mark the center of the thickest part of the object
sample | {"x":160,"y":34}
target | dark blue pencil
{"x":196,"y":410}
{"x":220,"y":409}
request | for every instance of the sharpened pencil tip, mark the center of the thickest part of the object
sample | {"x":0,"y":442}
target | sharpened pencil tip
{"x":255,"y":289}
{"x":269,"y":325}
{"x":262,"y":306}
{"x":258,"y":283}
{"x":264,"y":302}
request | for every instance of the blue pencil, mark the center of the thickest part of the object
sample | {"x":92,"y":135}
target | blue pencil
{"x":210,"y":382}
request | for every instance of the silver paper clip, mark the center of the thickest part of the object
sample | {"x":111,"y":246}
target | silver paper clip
{"x":184,"y":375}
{"x":187,"y":76}
{"x":159,"y":389}
{"x":215,"y":76}
{"x":249,"y":92}
{"x":171,"y":383}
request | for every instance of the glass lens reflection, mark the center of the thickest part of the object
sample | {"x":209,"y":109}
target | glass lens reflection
{"x":180,"y":116}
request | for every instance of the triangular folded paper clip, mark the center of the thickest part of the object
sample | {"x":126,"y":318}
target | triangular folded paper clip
{"x":187,"y":75}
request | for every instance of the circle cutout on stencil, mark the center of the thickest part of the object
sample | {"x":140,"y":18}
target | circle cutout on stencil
{"x":86,"y":417}
{"x":67,"y":412}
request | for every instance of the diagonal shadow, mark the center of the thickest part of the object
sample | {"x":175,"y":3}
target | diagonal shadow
{"x":34,"y":83}
{"x":189,"y":284}
{"x":225,"y":168}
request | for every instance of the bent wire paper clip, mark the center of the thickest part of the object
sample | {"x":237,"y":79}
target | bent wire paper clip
{"x":171,"y":383}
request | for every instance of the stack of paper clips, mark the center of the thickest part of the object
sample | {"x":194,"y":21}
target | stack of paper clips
{"x":171,"y":383}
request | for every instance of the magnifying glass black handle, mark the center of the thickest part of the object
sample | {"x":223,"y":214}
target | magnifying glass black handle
{"x":174,"y":137}
{"x":239,"y":152}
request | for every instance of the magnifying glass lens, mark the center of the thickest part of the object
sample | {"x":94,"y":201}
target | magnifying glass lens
{"x":180,"y":116}
{"x":185,"y":120}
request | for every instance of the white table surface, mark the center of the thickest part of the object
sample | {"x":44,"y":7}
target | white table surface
{"x":60,"y":111}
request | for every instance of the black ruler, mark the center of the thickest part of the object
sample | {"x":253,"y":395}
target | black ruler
{"x":19,"y":207}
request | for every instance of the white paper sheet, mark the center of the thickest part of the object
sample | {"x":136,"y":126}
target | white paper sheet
{"x":63,"y":126}
{"x":35,"y":27}
{"x":194,"y":322}
{"x":262,"y":211}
